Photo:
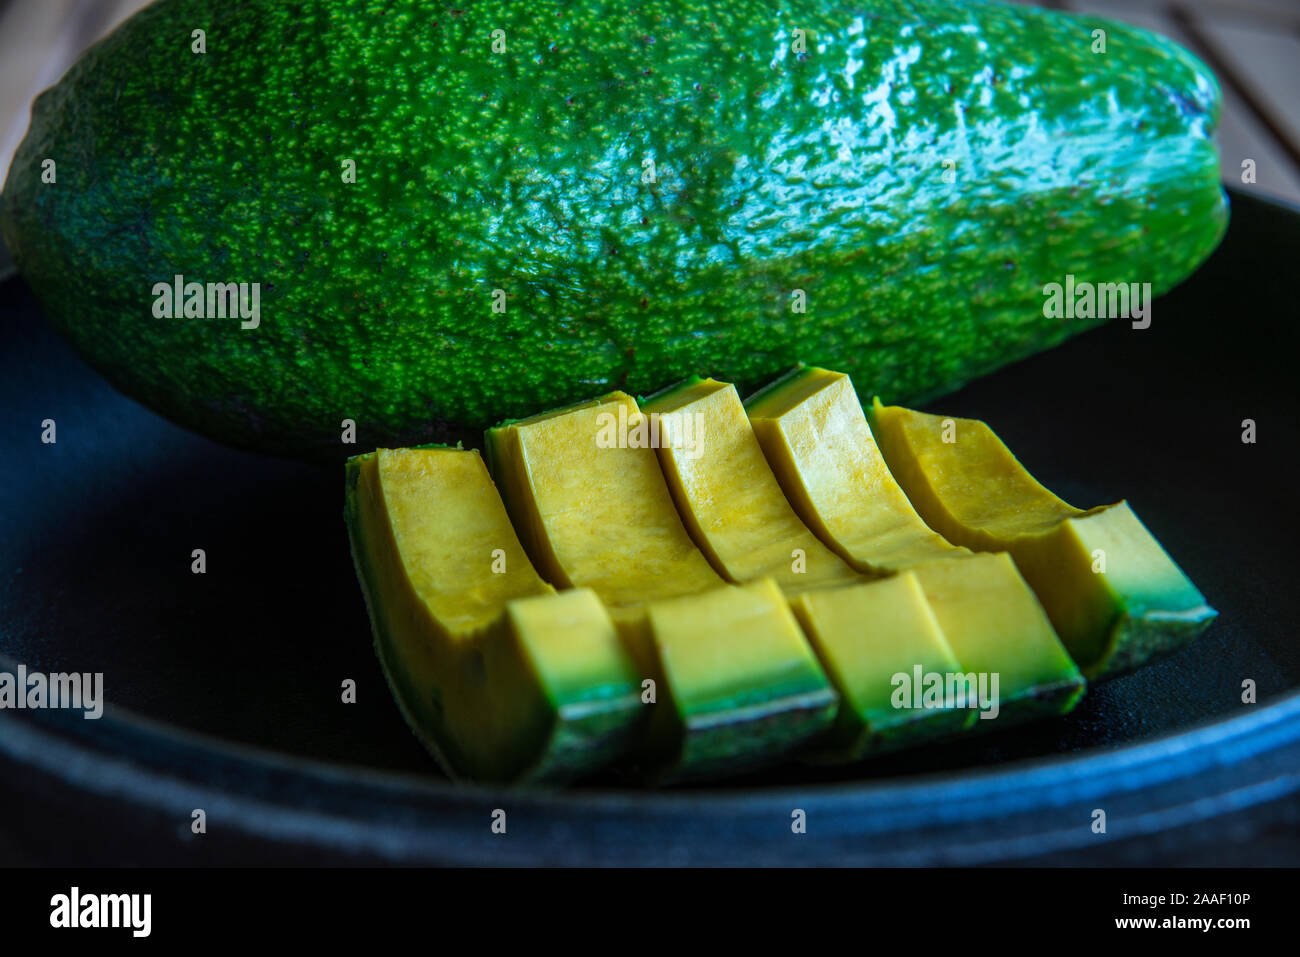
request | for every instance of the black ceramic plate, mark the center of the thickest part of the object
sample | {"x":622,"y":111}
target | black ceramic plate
{"x":224,"y":688}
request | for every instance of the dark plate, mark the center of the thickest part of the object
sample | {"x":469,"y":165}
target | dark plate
{"x":225,"y":687}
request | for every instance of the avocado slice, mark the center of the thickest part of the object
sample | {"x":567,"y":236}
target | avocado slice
{"x":442,"y":234}
{"x":738,"y":514}
{"x":811,"y":428}
{"x":500,"y":677}
{"x":590,"y":512}
{"x":865,"y":636}
{"x":745,"y":689}
{"x":585,"y":490}
{"x":727,"y":494}
{"x":1114,"y":595}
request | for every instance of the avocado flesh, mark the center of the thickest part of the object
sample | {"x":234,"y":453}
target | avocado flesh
{"x":499,"y":676}
{"x":996,"y":626}
{"x":920,"y":173}
{"x":727,"y":495}
{"x":812,"y":430}
{"x":739,"y":515}
{"x":598,"y":514}
{"x":744,"y":685}
{"x":1114,"y":595}
{"x":597,"y":517}
{"x":864,"y":635}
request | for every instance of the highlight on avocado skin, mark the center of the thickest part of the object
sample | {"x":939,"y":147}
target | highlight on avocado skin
{"x":427,"y":231}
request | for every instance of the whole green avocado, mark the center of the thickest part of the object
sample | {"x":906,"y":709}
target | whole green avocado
{"x":459,"y":214}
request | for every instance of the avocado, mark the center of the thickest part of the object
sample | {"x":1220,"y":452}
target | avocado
{"x":866,"y":636}
{"x":500,"y":677}
{"x":997,"y":627}
{"x":591,"y":506}
{"x":811,"y":427}
{"x":812,"y":431}
{"x":419,"y":219}
{"x":727,"y":495}
{"x":738,"y":515}
{"x":744,"y":687}
{"x":736,"y":683}
{"x":1114,"y":595}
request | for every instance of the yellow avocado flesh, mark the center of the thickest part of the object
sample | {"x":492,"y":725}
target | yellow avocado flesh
{"x":745,"y":687}
{"x":729,"y":498}
{"x":499,"y":676}
{"x":1114,"y":595}
{"x":812,"y":431}
{"x":996,"y":626}
{"x":865,"y":635}
{"x":593,"y":513}
{"x":448,"y":527}
{"x":585,"y":489}
{"x":741,"y":518}
{"x":811,"y":427}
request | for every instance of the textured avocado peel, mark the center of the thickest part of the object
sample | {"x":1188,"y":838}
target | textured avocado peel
{"x":646,"y":191}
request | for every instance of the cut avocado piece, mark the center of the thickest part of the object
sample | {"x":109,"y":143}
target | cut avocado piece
{"x":586,"y":492}
{"x":814,"y":435}
{"x":997,"y":627}
{"x":812,"y":430}
{"x":1114,"y":595}
{"x":593,"y":513}
{"x":727,"y":494}
{"x":501,"y":678}
{"x":739,"y":515}
{"x":744,"y":688}
{"x":865,"y":635}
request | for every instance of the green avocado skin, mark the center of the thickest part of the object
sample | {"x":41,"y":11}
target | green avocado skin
{"x":648,"y":185}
